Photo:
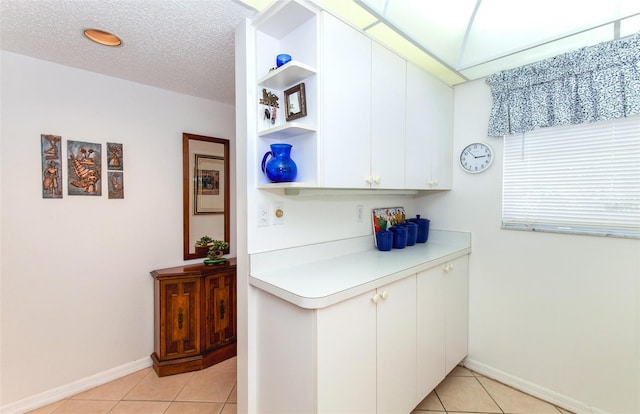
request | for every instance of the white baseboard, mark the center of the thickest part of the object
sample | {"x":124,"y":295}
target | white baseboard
{"x":67,"y":390}
{"x":530,"y":388}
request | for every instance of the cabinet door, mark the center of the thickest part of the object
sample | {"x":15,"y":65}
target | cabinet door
{"x":220,"y":308}
{"x":179,"y":318}
{"x":346,"y":103}
{"x":430,"y":330}
{"x":429,"y":126}
{"x":457,"y":303}
{"x":388,"y":93}
{"x":396,"y":340}
{"x":346,"y":356}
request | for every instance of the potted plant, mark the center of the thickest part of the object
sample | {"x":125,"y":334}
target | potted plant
{"x":202,"y":245}
{"x":216,"y":249}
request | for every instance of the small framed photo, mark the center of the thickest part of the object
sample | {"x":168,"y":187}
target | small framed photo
{"x":295,"y":104}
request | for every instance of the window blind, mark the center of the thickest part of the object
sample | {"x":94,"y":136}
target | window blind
{"x":577,"y":179}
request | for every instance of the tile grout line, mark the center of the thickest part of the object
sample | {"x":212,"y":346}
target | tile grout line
{"x":440,"y":400}
{"x":488,"y":393}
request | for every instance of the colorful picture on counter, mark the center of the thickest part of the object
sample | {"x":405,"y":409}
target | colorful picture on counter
{"x":383,"y":218}
{"x":85,"y":168}
{"x":51,"y":165}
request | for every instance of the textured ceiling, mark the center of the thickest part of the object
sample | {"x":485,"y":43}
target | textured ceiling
{"x":185,"y":46}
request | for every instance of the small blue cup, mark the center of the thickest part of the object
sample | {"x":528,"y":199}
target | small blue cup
{"x":282,"y":59}
{"x":399,"y":237}
{"x":412,"y":233}
{"x":423,"y":228}
{"x":384,"y":240}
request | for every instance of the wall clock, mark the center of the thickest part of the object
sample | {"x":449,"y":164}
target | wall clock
{"x":476,"y":157}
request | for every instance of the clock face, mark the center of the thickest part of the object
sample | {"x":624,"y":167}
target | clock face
{"x":476,"y":157}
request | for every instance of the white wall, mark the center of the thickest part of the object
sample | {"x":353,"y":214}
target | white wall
{"x":77,"y":297}
{"x":557,"y":313}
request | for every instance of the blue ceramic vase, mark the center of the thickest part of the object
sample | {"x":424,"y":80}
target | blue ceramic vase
{"x":278,"y":165}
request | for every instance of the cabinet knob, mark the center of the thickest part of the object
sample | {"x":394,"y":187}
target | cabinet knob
{"x":433,"y":183}
{"x":374,"y":180}
{"x":384,"y":295}
{"x":448,"y":267}
{"x":375,"y":298}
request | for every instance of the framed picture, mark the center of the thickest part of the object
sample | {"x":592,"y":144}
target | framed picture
{"x":51,"y":165}
{"x":84,"y":168}
{"x":208,"y":180}
{"x":295,"y":104}
{"x":115,"y":156}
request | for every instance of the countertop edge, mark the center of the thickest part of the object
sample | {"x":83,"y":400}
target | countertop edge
{"x":357,"y":289}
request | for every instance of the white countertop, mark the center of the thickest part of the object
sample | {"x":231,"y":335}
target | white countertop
{"x":336,"y":271}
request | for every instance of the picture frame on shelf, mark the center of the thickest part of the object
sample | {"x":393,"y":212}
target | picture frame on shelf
{"x":295,"y":103}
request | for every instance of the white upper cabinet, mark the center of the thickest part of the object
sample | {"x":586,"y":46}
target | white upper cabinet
{"x":374,"y":121}
{"x":388,"y":83}
{"x":429,"y":131}
{"x":346,"y":103}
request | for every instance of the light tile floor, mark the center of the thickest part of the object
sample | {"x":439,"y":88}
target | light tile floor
{"x":209,"y":391}
{"x":213,"y":391}
{"x":466,"y":392}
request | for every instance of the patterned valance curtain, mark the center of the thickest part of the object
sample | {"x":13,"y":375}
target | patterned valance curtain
{"x":594,"y":83}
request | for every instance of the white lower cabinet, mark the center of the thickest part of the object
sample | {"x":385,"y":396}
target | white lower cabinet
{"x":396,"y":341}
{"x":457,"y":311}
{"x":367,"y":352}
{"x":442,"y":321}
{"x":346,"y":356}
{"x":382,"y":351}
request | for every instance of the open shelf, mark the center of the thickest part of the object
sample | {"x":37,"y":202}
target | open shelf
{"x":287,"y":130}
{"x":287,"y":75}
{"x":293,"y":184}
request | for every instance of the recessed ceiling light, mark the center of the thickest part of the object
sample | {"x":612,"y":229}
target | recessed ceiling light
{"x":102,"y":37}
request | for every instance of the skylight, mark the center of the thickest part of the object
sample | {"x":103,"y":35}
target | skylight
{"x":468,"y":39}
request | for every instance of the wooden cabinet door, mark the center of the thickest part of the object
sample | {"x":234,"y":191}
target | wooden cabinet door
{"x":346,"y":96}
{"x":179,"y":318}
{"x":457,"y":313}
{"x":430,"y":329}
{"x":388,"y":93}
{"x":346,"y":356}
{"x":396,"y":342}
{"x":220,"y":307}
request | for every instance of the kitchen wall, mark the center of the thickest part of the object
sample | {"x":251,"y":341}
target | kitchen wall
{"x":556,"y":314}
{"x":77,"y":297}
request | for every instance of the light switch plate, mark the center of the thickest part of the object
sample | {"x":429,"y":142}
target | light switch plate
{"x":262,"y":216}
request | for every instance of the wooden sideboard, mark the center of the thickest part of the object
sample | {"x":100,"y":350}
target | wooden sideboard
{"x":194,"y":316}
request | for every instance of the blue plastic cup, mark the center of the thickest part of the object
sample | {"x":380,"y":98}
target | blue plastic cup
{"x":423,"y":228}
{"x":412,"y":233}
{"x":399,"y":237}
{"x":384,"y":240}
